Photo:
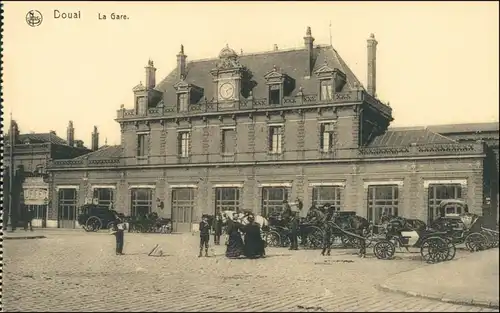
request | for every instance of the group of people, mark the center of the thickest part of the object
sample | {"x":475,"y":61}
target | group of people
{"x":242,"y":240}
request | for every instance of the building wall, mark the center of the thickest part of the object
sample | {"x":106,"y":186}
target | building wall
{"x":412,"y":177}
{"x":300,"y":137}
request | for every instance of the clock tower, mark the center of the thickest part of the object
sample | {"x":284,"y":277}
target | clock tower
{"x":227,"y":78}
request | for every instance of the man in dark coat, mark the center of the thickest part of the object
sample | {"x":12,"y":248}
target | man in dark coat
{"x":30,"y":213}
{"x":217,"y":226}
{"x":204,"y":235}
{"x":294,"y":231}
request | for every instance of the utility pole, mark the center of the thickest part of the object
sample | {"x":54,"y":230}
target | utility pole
{"x":11,"y":157}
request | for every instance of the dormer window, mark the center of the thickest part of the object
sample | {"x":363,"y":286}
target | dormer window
{"x":141,"y":105}
{"x":274,"y":94}
{"x":326,"y":90}
{"x":331,"y":81}
{"x":280,"y":85}
{"x":187,"y":94}
{"x":182,"y":102}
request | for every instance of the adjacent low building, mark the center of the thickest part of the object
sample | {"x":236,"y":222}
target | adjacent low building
{"x":26,"y":184}
{"x":247,"y":131}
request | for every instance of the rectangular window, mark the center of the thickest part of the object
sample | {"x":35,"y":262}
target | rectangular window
{"x":142,"y":144}
{"x":440,"y":192}
{"x":104,"y":196}
{"x":227,"y":199}
{"x":272,"y":199}
{"x":184,"y":141}
{"x":39,"y":211}
{"x":322,"y":195}
{"x":182,"y":102}
{"x":141,"y":106}
{"x":142,"y":201}
{"x":228,"y":141}
{"x":382,"y":199}
{"x":274,"y":94}
{"x":326,"y":142}
{"x":326,"y":90}
{"x":275,"y":139}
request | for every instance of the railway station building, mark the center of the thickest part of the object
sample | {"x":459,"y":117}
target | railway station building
{"x":247,"y":131}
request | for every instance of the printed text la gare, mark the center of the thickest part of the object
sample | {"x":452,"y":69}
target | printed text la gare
{"x":112,"y":16}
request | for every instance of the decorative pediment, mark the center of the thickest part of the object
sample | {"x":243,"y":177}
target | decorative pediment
{"x":275,"y":76}
{"x":139,"y":87}
{"x":325,"y":70}
{"x":182,"y":85}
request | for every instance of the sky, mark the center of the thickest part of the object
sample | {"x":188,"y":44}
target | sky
{"x":437,"y":62}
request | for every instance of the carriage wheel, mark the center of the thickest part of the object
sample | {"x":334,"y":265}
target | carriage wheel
{"x":490,"y":239}
{"x":476,"y":242}
{"x":138,"y":229}
{"x":285,"y":241}
{"x":434,"y":250}
{"x":273,"y":239}
{"x":315,"y":238}
{"x":384,"y":250}
{"x":93,"y":223}
{"x":452,"y":250}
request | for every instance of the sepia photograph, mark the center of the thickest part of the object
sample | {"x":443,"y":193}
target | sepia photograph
{"x":250,"y":156}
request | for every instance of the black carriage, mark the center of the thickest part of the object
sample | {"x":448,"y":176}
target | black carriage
{"x":95,"y":217}
{"x":466,"y":228}
{"x":435,"y":246}
{"x":277,"y":233}
{"x":150,"y":223}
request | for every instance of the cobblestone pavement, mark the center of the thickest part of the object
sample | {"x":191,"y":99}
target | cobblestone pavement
{"x":78,"y":271}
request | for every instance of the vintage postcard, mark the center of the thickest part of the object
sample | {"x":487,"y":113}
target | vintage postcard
{"x":250,"y":156}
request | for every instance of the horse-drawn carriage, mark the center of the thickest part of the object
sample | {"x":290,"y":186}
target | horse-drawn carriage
{"x":466,"y":228}
{"x":149,"y":223}
{"x":93,"y":217}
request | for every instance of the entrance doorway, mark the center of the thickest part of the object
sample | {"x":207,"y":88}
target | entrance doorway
{"x":182,"y":209}
{"x":67,"y":208}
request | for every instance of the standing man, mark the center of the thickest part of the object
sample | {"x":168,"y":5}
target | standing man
{"x":30,"y":212}
{"x":204,"y":235}
{"x":217,"y":226}
{"x":294,"y":231}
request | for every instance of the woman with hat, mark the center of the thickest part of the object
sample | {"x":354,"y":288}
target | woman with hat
{"x":254,"y":245}
{"x":235,"y":243}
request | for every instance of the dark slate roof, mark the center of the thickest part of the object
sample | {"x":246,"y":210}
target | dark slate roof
{"x":465,"y":128}
{"x":104,"y":152}
{"x":42,"y":137}
{"x":406,"y":136}
{"x":290,"y":62}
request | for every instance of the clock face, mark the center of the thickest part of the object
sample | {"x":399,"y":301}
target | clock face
{"x":226,"y":91}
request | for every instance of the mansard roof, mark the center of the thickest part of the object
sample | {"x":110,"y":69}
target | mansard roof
{"x":103,"y":152}
{"x":465,"y":128}
{"x":290,"y":62}
{"x":41,"y":138}
{"x":406,"y":136}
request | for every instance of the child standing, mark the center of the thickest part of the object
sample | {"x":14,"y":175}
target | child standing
{"x":204,"y":235}
{"x":118,"y":230}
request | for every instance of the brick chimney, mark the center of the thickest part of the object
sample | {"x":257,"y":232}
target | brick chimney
{"x":95,"y":140}
{"x":181,"y":63}
{"x":371,"y":84}
{"x":70,"y":134}
{"x":308,"y":42}
{"x":150,"y":75}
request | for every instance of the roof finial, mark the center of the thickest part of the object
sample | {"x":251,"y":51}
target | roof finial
{"x":308,"y":31}
{"x":227,"y":45}
{"x":241,"y":51}
{"x":275,"y":68}
{"x":182,"y":49}
{"x":106,"y":141}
